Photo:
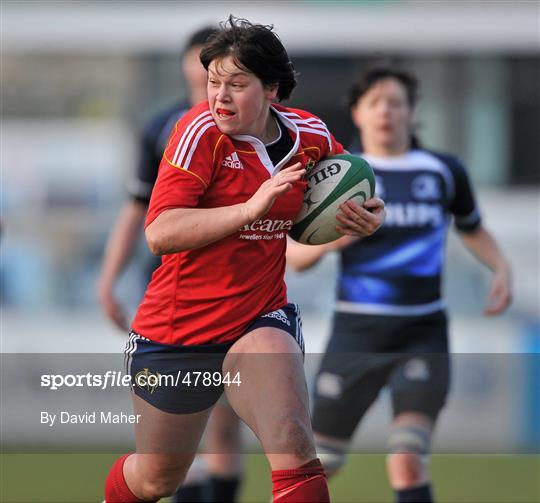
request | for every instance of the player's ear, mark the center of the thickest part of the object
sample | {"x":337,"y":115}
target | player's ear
{"x":271,"y":91}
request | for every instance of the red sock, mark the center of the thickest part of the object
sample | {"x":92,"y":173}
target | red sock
{"x":306,"y":484}
{"x":116,"y":489}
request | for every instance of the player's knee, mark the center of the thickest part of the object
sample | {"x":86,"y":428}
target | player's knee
{"x":409,"y":446}
{"x":160,"y":483}
{"x":154,"y":488}
{"x":409,"y":439}
{"x":406,"y":470}
{"x":332,"y":458}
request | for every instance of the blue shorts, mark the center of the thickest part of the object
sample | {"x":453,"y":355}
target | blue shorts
{"x":189,"y":379}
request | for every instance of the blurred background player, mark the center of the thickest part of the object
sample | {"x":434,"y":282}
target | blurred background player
{"x":390,"y":325}
{"x":217,"y":477}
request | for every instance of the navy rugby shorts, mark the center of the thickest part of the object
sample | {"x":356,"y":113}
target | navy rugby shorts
{"x":189,"y":379}
{"x":365,"y":353}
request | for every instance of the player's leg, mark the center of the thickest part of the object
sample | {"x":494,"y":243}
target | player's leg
{"x":166,"y":445}
{"x":407,"y":461}
{"x":224,"y":459}
{"x":350,"y":377}
{"x":273,"y":401}
{"x":419,"y":389}
{"x":172,"y":409}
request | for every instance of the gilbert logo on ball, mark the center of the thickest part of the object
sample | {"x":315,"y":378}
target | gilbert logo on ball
{"x":331,"y":182}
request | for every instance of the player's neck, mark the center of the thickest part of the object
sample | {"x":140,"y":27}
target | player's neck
{"x":271,"y":129}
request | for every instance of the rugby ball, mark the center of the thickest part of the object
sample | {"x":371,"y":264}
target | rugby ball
{"x":331,"y":182}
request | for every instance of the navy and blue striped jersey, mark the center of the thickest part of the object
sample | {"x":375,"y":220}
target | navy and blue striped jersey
{"x":151,"y":147}
{"x":398,"y":269}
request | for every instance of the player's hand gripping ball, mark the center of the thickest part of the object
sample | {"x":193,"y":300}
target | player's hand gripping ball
{"x":331,"y":182}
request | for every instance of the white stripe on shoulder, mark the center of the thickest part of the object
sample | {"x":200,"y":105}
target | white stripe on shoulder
{"x":290,"y":114}
{"x":324,"y":133}
{"x":312,"y":122}
{"x":195,"y":142}
{"x":188,"y":135}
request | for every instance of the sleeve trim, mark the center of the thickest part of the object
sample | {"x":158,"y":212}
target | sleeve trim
{"x":472,"y":217}
{"x":184,"y":170}
{"x":220,"y":139}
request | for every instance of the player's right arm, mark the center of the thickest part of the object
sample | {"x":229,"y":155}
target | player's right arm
{"x":179,"y":229}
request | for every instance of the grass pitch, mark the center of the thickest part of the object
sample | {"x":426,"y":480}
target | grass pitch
{"x":78,"y":478}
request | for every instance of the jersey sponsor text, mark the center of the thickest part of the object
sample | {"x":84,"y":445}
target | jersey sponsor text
{"x":413,"y":215}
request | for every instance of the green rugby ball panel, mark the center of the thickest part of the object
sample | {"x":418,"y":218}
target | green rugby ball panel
{"x":331,"y":182}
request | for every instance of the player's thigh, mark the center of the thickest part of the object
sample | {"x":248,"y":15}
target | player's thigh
{"x":175,"y":379}
{"x":351,"y":374}
{"x":269,"y":359}
{"x":166,"y":442}
{"x":273,"y":395}
{"x":171,"y":400}
{"x":159,"y":432}
{"x":421,"y":382}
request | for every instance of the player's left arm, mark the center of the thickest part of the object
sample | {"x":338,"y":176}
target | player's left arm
{"x":484,"y":247}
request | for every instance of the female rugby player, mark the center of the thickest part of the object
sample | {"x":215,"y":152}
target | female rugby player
{"x":215,"y":315}
{"x":390,"y":324}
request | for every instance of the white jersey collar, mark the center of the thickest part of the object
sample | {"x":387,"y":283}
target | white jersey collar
{"x":259,"y":147}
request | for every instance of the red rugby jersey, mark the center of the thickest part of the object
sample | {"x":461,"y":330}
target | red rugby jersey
{"x":210,"y":295}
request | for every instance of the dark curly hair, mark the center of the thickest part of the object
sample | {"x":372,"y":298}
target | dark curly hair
{"x":255,"y":48}
{"x":374,"y":75}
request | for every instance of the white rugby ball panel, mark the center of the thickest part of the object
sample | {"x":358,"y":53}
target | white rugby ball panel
{"x":330,"y":183}
{"x":320,"y":226}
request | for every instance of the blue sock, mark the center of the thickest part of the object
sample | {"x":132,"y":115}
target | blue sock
{"x":420,"y":494}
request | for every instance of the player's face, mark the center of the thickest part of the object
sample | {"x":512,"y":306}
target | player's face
{"x":384,"y":117}
{"x":239,"y":101}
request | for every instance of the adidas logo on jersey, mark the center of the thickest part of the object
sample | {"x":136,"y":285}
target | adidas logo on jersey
{"x":232,"y":161}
